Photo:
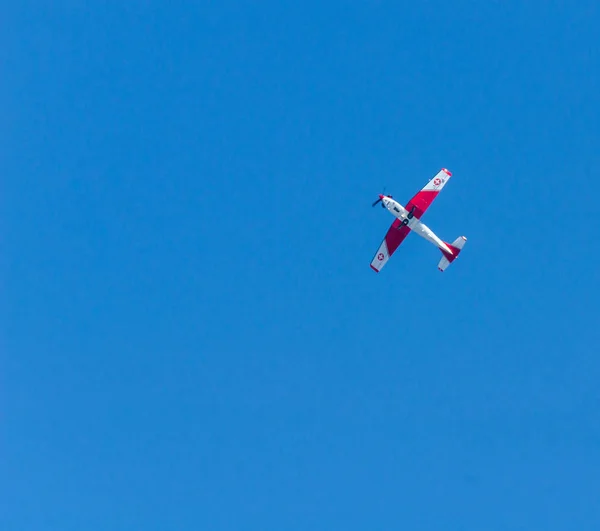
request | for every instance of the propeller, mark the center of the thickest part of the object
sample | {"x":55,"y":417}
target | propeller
{"x":380,"y":198}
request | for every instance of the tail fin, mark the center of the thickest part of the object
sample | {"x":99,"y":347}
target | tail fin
{"x":455,"y":247}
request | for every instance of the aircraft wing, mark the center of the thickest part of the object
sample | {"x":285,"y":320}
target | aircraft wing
{"x":394,"y":237}
{"x":423,"y":199}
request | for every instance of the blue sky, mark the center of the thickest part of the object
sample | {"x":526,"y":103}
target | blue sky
{"x":192,"y":337}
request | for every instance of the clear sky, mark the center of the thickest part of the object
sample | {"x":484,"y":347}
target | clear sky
{"x":192,"y":338}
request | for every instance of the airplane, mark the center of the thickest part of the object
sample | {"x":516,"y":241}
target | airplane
{"x":408,"y":219}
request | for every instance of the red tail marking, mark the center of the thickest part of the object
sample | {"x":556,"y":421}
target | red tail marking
{"x":454,"y":255}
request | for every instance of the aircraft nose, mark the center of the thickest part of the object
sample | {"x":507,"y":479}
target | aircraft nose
{"x":381,"y":196}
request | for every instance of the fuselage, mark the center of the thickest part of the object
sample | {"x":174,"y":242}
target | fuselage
{"x":414,"y":224}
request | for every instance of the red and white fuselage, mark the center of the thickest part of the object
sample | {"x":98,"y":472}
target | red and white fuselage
{"x":414,"y":224}
{"x":408,"y":219}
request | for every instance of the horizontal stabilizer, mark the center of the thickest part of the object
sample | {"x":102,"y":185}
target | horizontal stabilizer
{"x":456,"y":246}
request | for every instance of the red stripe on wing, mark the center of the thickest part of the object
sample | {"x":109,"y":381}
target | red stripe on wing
{"x":421,"y":201}
{"x":395,"y":236}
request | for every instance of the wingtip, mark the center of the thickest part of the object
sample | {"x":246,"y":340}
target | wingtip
{"x":447,"y":172}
